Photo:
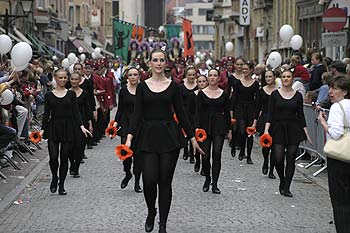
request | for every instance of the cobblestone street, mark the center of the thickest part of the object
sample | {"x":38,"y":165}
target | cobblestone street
{"x":249,"y":202}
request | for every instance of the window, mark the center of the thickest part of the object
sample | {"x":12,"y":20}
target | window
{"x":189,"y":12}
{"x":202,"y":11}
{"x":40,"y":4}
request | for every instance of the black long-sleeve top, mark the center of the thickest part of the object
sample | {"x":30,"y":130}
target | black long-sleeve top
{"x":61,"y":115}
{"x":85,"y":109}
{"x":88,"y":86}
{"x":125,"y":110}
{"x":213,"y":115}
{"x":244,"y":100}
{"x":262,"y":103}
{"x":153,"y":119}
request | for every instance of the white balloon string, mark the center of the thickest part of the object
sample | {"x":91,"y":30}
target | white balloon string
{"x":14,"y":69}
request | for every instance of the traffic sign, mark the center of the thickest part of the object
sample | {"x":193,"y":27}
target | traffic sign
{"x":334,"y":39}
{"x":334,"y":19}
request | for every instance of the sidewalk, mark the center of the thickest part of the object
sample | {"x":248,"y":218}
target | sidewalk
{"x":249,"y":202}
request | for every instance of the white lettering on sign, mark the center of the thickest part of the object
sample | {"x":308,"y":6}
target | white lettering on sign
{"x":244,"y":12}
{"x":334,"y":39}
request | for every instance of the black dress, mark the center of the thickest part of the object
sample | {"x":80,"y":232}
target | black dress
{"x":85,"y":109}
{"x":287,"y":119}
{"x":60,"y":117}
{"x":244,"y":100}
{"x":186,"y":99}
{"x":125,"y":110}
{"x":213,"y":115}
{"x":153,"y":124}
{"x":262,"y":105}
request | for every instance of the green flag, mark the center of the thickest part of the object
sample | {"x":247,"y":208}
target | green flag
{"x":122,"y":33}
{"x":172,"y":30}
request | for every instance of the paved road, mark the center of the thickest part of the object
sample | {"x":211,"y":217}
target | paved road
{"x":95,"y":203}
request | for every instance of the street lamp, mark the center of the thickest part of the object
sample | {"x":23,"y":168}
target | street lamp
{"x":7,"y":18}
{"x":27,"y":6}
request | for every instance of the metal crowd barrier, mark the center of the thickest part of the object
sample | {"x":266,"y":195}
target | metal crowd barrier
{"x":317,"y":135}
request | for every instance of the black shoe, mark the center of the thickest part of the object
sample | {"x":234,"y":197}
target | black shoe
{"x":89,"y":147}
{"x":192,"y":161}
{"x":149,"y":225}
{"x":196,"y":166}
{"x":126,"y":180}
{"x":137,"y":188}
{"x":281,"y":187}
{"x":61,"y":190}
{"x":206,"y":184}
{"x":249,"y":160}
{"x":82,"y":161}
{"x":76,"y":175}
{"x":202,"y":173}
{"x":162,"y":228}
{"x":94,"y":143}
{"x":233,"y":151}
{"x":272,"y":176}
{"x":215,"y":189}
{"x":185,"y":156}
{"x":288,"y":193}
{"x":71,"y":172}
{"x":53,"y":185}
{"x":264,"y":170}
{"x":240,"y":157}
{"x":84,"y":157}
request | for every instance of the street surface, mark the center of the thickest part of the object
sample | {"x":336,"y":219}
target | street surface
{"x":249,"y":201}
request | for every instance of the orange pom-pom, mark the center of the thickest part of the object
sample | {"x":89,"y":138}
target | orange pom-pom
{"x":123,"y":152}
{"x":201,"y":135}
{"x":233,"y":121}
{"x":35,"y":137}
{"x":111,"y":132}
{"x":111,"y":123}
{"x":250,"y":130}
{"x":266,"y":140}
{"x":175,"y":118}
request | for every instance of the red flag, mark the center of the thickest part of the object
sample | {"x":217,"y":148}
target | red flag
{"x":188,"y":38}
{"x":137,"y":33}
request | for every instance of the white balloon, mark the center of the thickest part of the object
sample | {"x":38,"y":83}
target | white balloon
{"x":229,"y":46}
{"x":76,"y":60}
{"x":296,"y":42}
{"x":54,"y":57}
{"x":198,"y":54}
{"x":65,"y":63}
{"x":18,"y":68}
{"x":5,"y":44}
{"x":82,"y":57}
{"x":6,"y":97}
{"x":202,"y":57}
{"x":80,"y":50}
{"x":71,"y":58}
{"x":197,"y":61}
{"x":21,"y":54}
{"x":275,"y":59}
{"x":97,"y":50}
{"x":209,"y":63}
{"x":286,"y":32}
{"x":71,"y":69}
{"x":93,"y":55}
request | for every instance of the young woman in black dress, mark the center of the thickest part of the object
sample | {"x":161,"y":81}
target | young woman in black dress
{"x":186,"y":88}
{"x":61,"y":115}
{"x":286,"y":124}
{"x":122,"y":118}
{"x":244,"y":101}
{"x":202,"y":82}
{"x":261,"y":114}
{"x":158,"y":137}
{"x":213,"y":115}
{"x":85,"y":111}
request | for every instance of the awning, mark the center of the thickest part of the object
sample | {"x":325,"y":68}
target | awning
{"x":41,"y":46}
{"x":56,"y":51}
{"x":80,"y":43}
{"x":11,"y":35}
{"x":97,"y":44}
{"x":21,"y":36}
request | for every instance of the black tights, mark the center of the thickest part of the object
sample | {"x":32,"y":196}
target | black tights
{"x":266,"y":154}
{"x":158,"y":169}
{"x":59,"y":149}
{"x":242,"y":125}
{"x":280,"y":152}
{"x":218,"y":143}
{"x":129,"y":161}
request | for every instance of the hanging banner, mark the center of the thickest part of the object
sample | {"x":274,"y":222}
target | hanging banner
{"x":122,"y":34}
{"x":172,"y":30}
{"x":244,"y":12}
{"x":188,"y":38}
{"x":95,"y":18}
{"x":137,"y":33}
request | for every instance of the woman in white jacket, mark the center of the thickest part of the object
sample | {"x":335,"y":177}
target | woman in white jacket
{"x":338,"y":171}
